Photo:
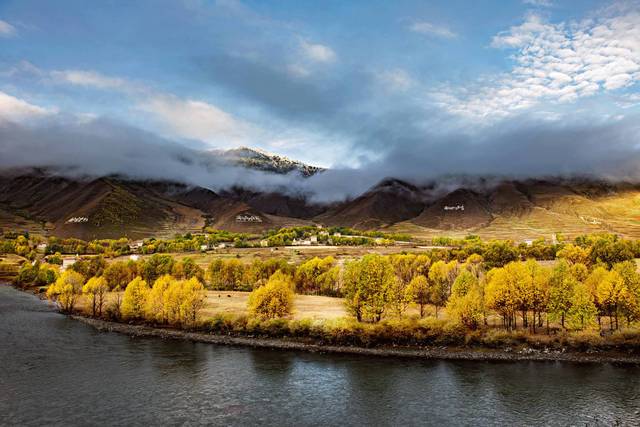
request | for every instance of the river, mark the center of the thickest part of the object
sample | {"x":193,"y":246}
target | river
{"x":57,"y":371}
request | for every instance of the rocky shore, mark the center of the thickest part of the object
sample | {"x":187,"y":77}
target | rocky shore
{"x":445,"y":353}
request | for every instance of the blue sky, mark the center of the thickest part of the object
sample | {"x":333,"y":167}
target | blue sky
{"x":334,"y":83}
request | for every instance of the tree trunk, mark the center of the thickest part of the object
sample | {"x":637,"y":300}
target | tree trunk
{"x":421,"y":311}
{"x":533,"y":322}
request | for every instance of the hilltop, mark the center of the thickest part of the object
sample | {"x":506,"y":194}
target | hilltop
{"x":257,"y":159}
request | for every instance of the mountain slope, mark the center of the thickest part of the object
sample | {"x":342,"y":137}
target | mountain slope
{"x":388,"y":202}
{"x":111,"y":207}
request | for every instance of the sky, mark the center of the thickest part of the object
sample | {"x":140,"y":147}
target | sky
{"x":411,"y":89}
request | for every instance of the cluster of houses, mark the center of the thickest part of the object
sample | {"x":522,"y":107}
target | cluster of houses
{"x":454,"y":208}
{"x":248,"y":218}
{"x":77,"y":220}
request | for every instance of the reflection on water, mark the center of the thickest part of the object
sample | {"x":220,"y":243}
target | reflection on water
{"x":56,"y":371}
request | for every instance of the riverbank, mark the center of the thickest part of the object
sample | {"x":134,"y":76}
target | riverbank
{"x":441,"y":352}
{"x":510,"y":350}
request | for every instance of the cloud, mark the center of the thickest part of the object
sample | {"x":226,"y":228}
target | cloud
{"x":180,"y":118}
{"x":558,"y":63}
{"x":16,"y":110}
{"x":538,"y":3}
{"x":396,"y":79}
{"x":6,"y":29}
{"x":318,"y":52}
{"x":192,"y":119}
{"x":89,"y":78}
{"x":428,"y":28}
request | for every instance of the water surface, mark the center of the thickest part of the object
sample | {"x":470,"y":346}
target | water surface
{"x":57,"y":371}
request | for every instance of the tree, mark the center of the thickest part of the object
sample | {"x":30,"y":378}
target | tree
{"x":466,"y":306}
{"x":310,"y":276}
{"x":66,"y":289}
{"x":118,"y":274}
{"x":441,"y":278}
{"x":191,"y":302}
{"x":187,"y":268}
{"x":499,"y":253}
{"x":226,"y":275}
{"x":501,"y":294}
{"x":574,"y":254}
{"x":418,"y":292}
{"x":583,"y":311}
{"x":156,"y":266}
{"x":96,"y":288}
{"x":133,"y":301}
{"x":561,"y":286}
{"x":154,"y":308}
{"x":275,"y":299}
{"x":367,"y":283}
{"x":631,"y":304}
{"x":611,"y":295}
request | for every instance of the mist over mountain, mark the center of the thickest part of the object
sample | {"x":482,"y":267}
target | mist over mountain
{"x":103,"y":147}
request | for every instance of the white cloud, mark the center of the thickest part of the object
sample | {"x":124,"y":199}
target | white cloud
{"x":538,"y":3}
{"x":16,"y":110}
{"x":396,"y":79}
{"x":554,"y":63}
{"x":179,"y":117}
{"x":629,"y":100}
{"x":6,"y":29}
{"x":89,"y":79}
{"x":318,"y":52}
{"x":428,"y":28}
{"x":194,"y":119}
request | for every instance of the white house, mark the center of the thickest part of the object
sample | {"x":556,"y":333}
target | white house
{"x":313,"y":240}
{"x":67,"y":262}
{"x":134,"y":257}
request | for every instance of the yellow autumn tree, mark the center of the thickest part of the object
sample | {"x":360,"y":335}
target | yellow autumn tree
{"x":612,"y":294}
{"x":66,"y":289}
{"x":154,"y":308}
{"x":275,"y":299}
{"x":96,"y":288}
{"x":418,"y":292}
{"x":192,"y":300}
{"x":133,"y":301}
{"x":465,"y":304}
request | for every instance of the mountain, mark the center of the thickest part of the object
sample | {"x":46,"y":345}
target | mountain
{"x":254,"y":158}
{"x":111,"y":207}
{"x":387,"y":203}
